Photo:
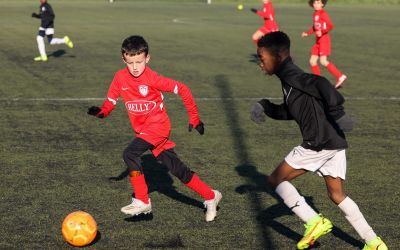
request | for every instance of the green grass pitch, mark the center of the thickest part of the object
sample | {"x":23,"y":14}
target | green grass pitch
{"x":55,"y":159}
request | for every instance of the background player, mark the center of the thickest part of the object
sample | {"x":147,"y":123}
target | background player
{"x":141,"y":90}
{"x":322,"y":47}
{"x":317,"y":107}
{"x":270,"y":24}
{"x":46,"y":14}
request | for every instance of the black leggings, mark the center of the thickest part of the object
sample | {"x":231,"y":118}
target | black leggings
{"x":132,"y":157}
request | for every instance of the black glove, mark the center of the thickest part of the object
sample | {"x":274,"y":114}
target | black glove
{"x":253,"y":10}
{"x":199,"y":128}
{"x":95,"y":111}
{"x":346,"y":123}
{"x":257,"y":114}
{"x":35,"y":15}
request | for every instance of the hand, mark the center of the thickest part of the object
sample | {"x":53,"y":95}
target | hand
{"x":199,"y":128}
{"x":257,"y":113}
{"x":253,"y":10}
{"x":346,"y":123}
{"x":96,"y":111}
{"x":304,"y":34}
{"x":34,"y":14}
{"x":318,"y":33}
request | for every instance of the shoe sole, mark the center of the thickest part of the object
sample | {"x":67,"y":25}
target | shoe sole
{"x":339,"y":84}
{"x":136,"y":214}
{"x":314,"y":239}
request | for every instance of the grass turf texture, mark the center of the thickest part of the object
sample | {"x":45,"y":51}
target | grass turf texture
{"x":55,"y":159}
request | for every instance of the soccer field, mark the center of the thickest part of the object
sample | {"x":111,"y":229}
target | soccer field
{"x":55,"y":159}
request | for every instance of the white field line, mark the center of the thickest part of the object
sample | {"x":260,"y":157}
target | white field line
{"x":86,"y":99}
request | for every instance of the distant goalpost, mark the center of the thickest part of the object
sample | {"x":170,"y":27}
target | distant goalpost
{"x":208,"y":1}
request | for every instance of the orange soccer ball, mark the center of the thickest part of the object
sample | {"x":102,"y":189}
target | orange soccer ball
{"x":79,"y":228}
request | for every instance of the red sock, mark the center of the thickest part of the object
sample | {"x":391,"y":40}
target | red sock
{"x":334,"y":71}
{"x":140,"y":188}
{"x":315,"y":70}
{"x":200,"y":187}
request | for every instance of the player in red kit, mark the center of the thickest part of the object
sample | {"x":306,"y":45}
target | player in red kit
{"x":141,"y":91}
{"x":322,"y":25}
{"x":270,"y":25}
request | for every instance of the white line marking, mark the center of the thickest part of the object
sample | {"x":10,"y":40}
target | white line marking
{"x":86,"y":99}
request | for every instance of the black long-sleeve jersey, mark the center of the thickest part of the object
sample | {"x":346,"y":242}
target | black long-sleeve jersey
{"x":313,"y":103}
{"x":46,"y":14}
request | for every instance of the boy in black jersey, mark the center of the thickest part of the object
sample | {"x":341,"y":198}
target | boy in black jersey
{"x":317,"y":107}
{"x":46,"y":14}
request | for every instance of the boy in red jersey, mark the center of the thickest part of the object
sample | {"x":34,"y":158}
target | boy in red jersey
{"x":141,"y":91}
{"x":322,"y":47}
{"x":270,"y":25}
{"x":317,"y":108}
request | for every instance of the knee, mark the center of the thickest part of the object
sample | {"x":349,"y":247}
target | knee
{"x":336,"y":196}
{"x":129,"y":156}
{"x":324,"y":62}
{"x":39,"y":38}
{"x":313,"y":62}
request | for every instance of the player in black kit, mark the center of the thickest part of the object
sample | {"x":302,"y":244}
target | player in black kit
{"x":46,"y":14}
{"x":317,"y":108}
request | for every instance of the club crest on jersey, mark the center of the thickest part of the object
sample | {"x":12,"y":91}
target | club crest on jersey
{"x":140,"y":107}
{"x":143,"y":90}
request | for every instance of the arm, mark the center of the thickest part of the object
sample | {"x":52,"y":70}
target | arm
{"x":109,"y":103}
{"x":321,"y":88}
{"x":327,"y":24}
{"x":36,"y":15}
{"x":277,"y":112}
{"x":267,"y":13}
{"x":265,"y":107}
{"x":169,"y":85}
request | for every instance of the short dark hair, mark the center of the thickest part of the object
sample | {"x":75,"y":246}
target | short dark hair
{"x":278,"y":43}
{"x":311,"y":2}
{"x":134,"y":45}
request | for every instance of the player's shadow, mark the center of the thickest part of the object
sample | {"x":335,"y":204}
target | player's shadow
{"x":59,"y":53}
{"x":159,"y":180}
{"x":267,"y":217}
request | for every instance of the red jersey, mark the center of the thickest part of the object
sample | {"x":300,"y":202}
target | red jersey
{"x":268,"y":14}
{"x":144,"y":101}
{"x":322,"y":22}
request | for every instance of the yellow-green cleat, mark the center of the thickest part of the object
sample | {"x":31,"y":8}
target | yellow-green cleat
{"x":40,"y":59}
{"x":68,"y":42}
{"x":376,"y":244}
{"x":315,"y":228}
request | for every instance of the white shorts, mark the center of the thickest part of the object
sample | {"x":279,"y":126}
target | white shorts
{"x":48,"y":31}
{"x":324,"y":162}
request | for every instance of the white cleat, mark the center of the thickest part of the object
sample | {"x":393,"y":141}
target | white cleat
{"x":137,"y":207}
{"x":340,"y":81}
{"x":211,"y":206}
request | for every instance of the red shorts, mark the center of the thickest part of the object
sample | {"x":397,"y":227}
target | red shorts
{"x":322,"y":46}
{"x":160,"y":143}
{"x":266,"y":30}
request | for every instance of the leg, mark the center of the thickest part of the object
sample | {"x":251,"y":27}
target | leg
{"x":257,"y":36}
{"x":279,"y":180}
{"x":335,"y":189}
{"x":41,"y":46}
{"x":132,"y":159}
{"x":192,"y":181}
{"x":340,"y":78}
{"x":349,"y":208}
{"x":170,"y":159}
{"x":314,"y":65}
{"x":141,"y":203}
